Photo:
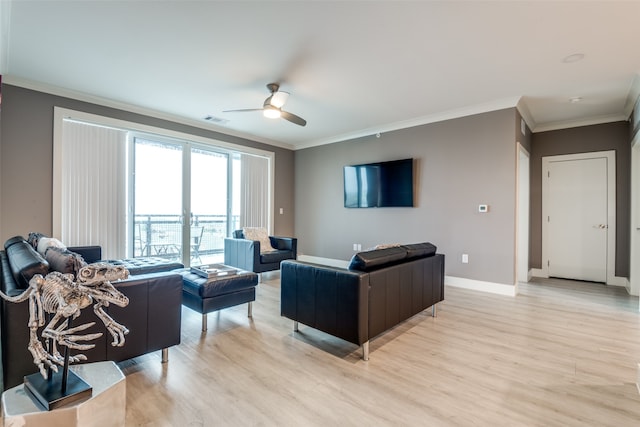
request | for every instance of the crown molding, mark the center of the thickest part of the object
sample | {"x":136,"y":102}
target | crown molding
{"x":486,"y":107}
{"x":518,"y":102}
{"x":632,"y":97}
{"x":106,"y":102}
{"x":523,"y":108}
{"x":582,"y":122}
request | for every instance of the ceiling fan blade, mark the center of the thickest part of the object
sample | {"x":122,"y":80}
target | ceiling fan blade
{"x":272,"y":106}
{"x":293,"y":118}
{"x":242,"y":111}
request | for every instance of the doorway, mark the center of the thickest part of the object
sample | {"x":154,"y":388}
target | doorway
{"x":578,"y":216}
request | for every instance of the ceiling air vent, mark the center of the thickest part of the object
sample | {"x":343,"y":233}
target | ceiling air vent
{"x":216,"y":120}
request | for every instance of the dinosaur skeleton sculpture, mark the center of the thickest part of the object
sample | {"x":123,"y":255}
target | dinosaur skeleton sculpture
{"x":59,"y":295}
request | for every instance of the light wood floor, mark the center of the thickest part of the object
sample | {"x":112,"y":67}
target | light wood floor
{"x":561,"y":353}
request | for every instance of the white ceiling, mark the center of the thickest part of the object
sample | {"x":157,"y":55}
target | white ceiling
{"x":353,"y":68}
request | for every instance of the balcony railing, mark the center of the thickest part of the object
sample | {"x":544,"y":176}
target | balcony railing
{"x":160,"y":235}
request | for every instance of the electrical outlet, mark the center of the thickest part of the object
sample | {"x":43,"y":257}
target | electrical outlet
{"x":465,"y":258}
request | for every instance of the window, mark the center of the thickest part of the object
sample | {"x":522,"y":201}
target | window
{"x":161,"y":193}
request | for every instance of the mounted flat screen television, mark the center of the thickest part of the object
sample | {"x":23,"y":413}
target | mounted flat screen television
{"x":379,"y":185}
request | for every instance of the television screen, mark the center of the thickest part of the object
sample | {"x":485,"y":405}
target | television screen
{"x":377,"y":185}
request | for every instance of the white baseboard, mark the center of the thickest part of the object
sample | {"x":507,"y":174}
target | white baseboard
{"x":617,"y":280}
{"x":478,"y":285}
{"x":538,"y":272}
{"x":620,"y":281}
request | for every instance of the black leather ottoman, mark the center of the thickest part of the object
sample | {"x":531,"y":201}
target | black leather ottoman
{"x":207,"y":295}
{"x":144,"y":265}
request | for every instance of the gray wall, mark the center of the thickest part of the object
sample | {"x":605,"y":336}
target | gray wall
{"x":26,"y":159}
{"x":461,"y":163}
{"x":585,"y":139}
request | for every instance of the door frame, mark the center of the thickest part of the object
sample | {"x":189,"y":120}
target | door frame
{"x":634,"y":267}
{"x":611,"y":207}
{"x":523,"y":273}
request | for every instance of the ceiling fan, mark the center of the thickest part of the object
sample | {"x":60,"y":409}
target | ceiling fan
{"x":272,"y":107}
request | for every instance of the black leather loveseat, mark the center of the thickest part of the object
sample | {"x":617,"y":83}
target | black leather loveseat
{"x":153,"y":315}
{"x":380,"y":289}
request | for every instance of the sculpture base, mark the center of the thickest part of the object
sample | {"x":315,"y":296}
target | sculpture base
{"x":49,"y":392}
{"x":106,"y":408}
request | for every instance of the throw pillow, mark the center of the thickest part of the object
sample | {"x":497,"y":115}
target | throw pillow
{"x":34,"y":238}
{"x":258,"y":234}
{"x":24,"y":263}
{"x":46,"y":242}
{"x":373,"y":260}
{"x":64,"y":261}
{"x":420,"y":250}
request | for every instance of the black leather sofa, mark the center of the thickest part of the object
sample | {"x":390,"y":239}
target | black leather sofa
{"x":380,"y":289}
{"x":153,"y":315}
{"x":245,"y":254}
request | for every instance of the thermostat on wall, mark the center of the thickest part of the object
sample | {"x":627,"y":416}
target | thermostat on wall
{"x":483,"y":208}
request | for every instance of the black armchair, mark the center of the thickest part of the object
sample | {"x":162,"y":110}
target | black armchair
{"x":245,"y":254}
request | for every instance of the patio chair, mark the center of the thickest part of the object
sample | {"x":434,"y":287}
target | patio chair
{"x":196,"y":241}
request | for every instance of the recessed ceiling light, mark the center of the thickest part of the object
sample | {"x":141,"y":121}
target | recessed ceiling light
{"x":575,"y":99}
{"x":575,"y":57}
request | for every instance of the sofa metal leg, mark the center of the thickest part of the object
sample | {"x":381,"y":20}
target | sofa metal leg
{"x":165,"y":355}
{"x":434,"y":310}
{"x":365,"y":351}
{"x":204,"y":322}
{"x":250,"y":310}
{"x":295,"y":326}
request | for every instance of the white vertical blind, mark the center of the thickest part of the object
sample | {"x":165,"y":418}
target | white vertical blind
{"x":255,"y":200}
{"x":93,"y":187}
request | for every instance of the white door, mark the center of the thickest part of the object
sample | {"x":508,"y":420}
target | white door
{"x":577,"y":219}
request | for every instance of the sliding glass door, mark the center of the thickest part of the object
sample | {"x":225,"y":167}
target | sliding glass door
{"x":178,"y":216}
{"x":210,"y":185}
{"x":157,"y":193}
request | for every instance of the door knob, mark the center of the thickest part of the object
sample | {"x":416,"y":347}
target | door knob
{"x":601,"y":226}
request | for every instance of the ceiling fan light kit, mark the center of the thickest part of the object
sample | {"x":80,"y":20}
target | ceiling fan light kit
{"x":272,"y":107}
{"x":271,"y":112}
{"x":278,"y":98}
